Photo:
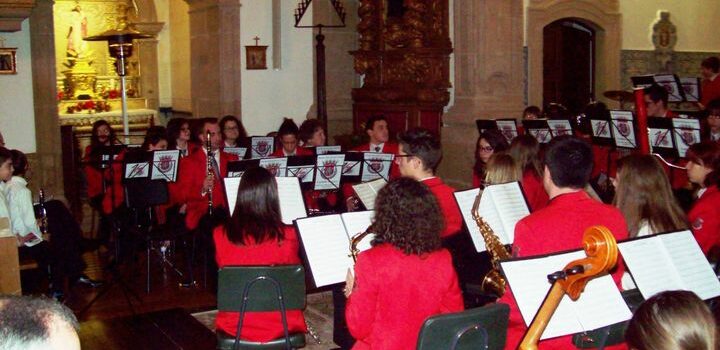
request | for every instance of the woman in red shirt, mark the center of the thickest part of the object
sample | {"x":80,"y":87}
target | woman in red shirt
{"x":97,"y":173}
{"x":703,"y":169}
{"x":488,"y":142}
{"x":255,"y":235}
{"x":526,"y":151}
{"x":406,"y":276}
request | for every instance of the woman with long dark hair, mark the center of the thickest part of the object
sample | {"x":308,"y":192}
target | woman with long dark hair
{"x":703,"y":169}
{"x":99,"y":179}
{"x":233,"y":131}
{"x":178,"y":136}
{"x":487,"y":144}
{"x":386,"y":305}
{"x":255,"y":235}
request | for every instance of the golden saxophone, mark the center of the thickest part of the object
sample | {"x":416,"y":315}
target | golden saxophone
{"x":355,"y":240}
{"x":493,"y":282}
{"x":210,"y":171}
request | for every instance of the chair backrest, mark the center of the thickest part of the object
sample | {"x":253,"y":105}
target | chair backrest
{"x":232,"y":281}
{"x":439,"y":332}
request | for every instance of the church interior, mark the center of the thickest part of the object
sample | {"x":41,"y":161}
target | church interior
{"x":436,"y":64}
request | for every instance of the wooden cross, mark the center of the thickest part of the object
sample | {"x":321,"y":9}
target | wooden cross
{"x":256,"y":40}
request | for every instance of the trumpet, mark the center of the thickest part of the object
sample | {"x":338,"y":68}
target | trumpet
{"x":355,"y":240}
{"x":493,"y":282}
{"x":210,"y":171}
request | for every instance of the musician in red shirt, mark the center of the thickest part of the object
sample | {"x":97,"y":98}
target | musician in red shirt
{"x":386,"y":306}
{"x":656,"y":99}
{"x":560,"y":225}
{"x":710,"y":90}
{"x":288,"y":137}
{"x":97,"y":173}
{"x":525,"y":150}
{"x":255,"y":235}
{"x":703,"y":169}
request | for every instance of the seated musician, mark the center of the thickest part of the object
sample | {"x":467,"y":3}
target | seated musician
{"x":178,"y":135}
{"x":391,"y":295}
{"x":233,"y":131}
{"x":312,"y":133}
{"x":288,"y":137}
{"x":672,"y":320}
{"x":255,"y":235}
{"x":643,"y":195}
{"x":488,"y":142}
{"x":712,"y":121}
{"x":710,"y":88}
{"x":703,"y":169}
{"x":560,"y":225}
{"x":525,"y":150}
{"x":656,"y":102}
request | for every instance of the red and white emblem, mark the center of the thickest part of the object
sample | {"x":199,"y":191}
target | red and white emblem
{"x":165,"y":163}
{"x":376,"y":165}
{"x":329,"y":168}
{"x":263,"y":148}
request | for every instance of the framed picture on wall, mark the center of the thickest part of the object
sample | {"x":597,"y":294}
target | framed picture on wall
{"x":256,"y":57}
{"x":8,"y":63}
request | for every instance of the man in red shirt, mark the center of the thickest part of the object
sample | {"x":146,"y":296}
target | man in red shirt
{"x":656,"y":99}
{"x":710,"y":89}
{"x":560,"y":225}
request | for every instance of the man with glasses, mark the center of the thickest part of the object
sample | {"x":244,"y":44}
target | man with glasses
{"x":656,"y":100}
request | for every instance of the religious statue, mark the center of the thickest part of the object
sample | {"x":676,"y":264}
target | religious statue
{"x":664,"y":38}
{"x":76,"y":46}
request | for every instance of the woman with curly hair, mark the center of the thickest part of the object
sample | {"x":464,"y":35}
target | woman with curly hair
{"x":386,"y":305}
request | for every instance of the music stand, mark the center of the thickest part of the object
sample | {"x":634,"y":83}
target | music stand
{"x":302,"y":167}
{"x":241,"y":152}
{"x":670,"y":82}
{"x":507,"y":126}
{"x":375,"y":166}
{"x":328,"y":172}
{"x":560,"y":127}
{"x":261,"y":146}
{"x":539,"y":129}
{"x":601,"y":133}
{"x":326,"y":149}
{"x":660,"y":132}
{"x":691,"y":88}
{"x":623,"y":126}
{"x":686,"y":133}
{"x":352,"y":166}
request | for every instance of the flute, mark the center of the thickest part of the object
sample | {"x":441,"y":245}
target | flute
{"x":208,"y":148}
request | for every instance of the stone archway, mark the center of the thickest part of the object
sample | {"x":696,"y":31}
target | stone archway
{"x":603,"y":16}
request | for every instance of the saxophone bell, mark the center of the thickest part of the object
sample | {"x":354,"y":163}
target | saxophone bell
{"x":493,"y":282}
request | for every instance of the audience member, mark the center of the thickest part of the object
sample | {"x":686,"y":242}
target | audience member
{"x":28,"y":323}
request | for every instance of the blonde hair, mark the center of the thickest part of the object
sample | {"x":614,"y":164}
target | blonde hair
{"x":502,"y":168}
{"x":672,"y":320}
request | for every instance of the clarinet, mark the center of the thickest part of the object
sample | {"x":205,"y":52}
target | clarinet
{"x":210,"y":171}
{"x":42,"y":212}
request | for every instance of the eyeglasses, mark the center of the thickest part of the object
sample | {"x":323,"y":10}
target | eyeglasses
{"x":231,"y":128}
{"x":485,"y":149}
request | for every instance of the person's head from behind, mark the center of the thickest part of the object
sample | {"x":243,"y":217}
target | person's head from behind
{"x":376,"y":127}
{"x":672,"y":320}
{"x":501,"y":169}
{"x":312,"y":133}
{"x":178,"y":130}
{"x":419,"y":153}
{"x":28,"y":323}
{"x":407,"y":216}
{"x":102,"y":134}
{"x":532,"y":112}
{"x":232,"y":129}
{"x":703,"y":166}
{"x":155,"y":139}
{"x":489,"y":142}
{"x":568,"y":164}
{"x":256,"y":217}
{"x":525,"y":150}
{"x":6,"y":164}
{"x":713,"y":115}
{"x":288,"y":136}
{"x":656,"y":99}
{"x":643,"y":193}
{"x":20,"y":163}
{"x":709,"y":67}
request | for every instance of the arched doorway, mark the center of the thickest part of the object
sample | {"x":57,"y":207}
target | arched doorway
{"x":568,"y":64}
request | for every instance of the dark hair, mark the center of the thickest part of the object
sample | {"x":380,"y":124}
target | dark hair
{"x":241,"y":129}
{"x":5,"y":154}
{"x":199,"y":126}
{"x":256,"y":217}
{"x":424,"y":145}
{"x":525,"y":150}
{"x":570,"y":161}
{"x":657,"y":93}
{"x":288,"y":127}
{"x":20,"y":162}
{"x":174,"y":127}
{"x":407,"y":216}
{"x":496,"y":140}
{"x":154,"y":135}
{"x":712,"y":63}
{"x":370,"y":123}
{"x":26,"y":320}
{"x":556,"y":111}
{"x":644,"y":194}
{"x":94,"y":141}
{"x":672,"y":320}
{"x":593,"y":110}
{"x":707,"y":154}
{"x":308,"y":129}
{"x":532,"y":110}
{"x":713,"y":105}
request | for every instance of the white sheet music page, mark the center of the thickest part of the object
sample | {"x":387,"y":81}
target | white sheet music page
{"x":465,"y":200}
{"x":599,"y":305}
{"x":292,"y":205}
{"x":357,"y":222}
{"x":511,"y":206}
{"x":327,"y":248}
{"x":231,"y":191}
{"x":650,"y":265}
{"x":367,"y":192}
{"x":691,"y":264}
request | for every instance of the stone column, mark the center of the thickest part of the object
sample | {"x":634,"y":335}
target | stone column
{"x":488,"y":53}
{"x":148,"y":54}
{"x":215,"y":57}
{"x":47,"y":165}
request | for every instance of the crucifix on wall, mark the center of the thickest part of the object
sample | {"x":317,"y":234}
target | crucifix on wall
{"x":256,"y":55}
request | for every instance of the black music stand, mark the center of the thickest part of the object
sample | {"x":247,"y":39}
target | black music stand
{"x":539,"y":129}
{"x":624,"y":129}
{"x":661,"y":137}
{"x":375,"y":168}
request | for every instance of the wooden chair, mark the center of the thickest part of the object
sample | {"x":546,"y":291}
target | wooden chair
{"x":480,"y":328}
{"x":261,"y":288}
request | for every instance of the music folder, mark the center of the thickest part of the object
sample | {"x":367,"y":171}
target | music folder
{"x":367,"y":192}
{"x":670,"y":82}
{"x":328,"y":172}
{"x":669,"y":261}
{"x":599,"y":305}
{"x":261,"y":146}
{"x":238,"y":151}
{"x":660,"y":132}
{"x":507,"y":126}
{"x":501,"y":206}
{"x":152,"y":165}
{"x":376,"y":165}
{"x":302,"y":167}
{"x":560,"y":127}
{"x":686,"y":133}
{"x":691,"y":87}
{"x":601,"y":133}
{"x":290,"y":197}
{"x":325,"y":241}
{"x":623,"y":126}
{"x":539,"y":129}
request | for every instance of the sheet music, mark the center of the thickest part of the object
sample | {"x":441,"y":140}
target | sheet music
{"x":303,"y":172}
{"x":660,"y":138}
{"x":238,"y":151}
{"x":599,"y":305}
{"x":376,"y":165}
{"x":601,"y":128}
{"x":687,"y":133}
{"x":367,"y":192}
{"x":357,"y":222}
{"x":691,"y":264}
{"x":276,"y":166}
{"x":327,"y":247}
{"x":465,"y":200}
{"x":165,"y":165}
{"x":560,"y":127}
{"x":510,"y":204}
{"x":261,"y":146}
{"x":670,"y":83}
{"x":541,"y":135}
{"x":231,"y":190}
{"x":691,"y":87}
{"x":292,"y":205}
{"x":508,"y":128}
{"x":137,"y":170}
{"x":622,"y":129}
{"x":329,"y":171}
{"x":326,"y":149}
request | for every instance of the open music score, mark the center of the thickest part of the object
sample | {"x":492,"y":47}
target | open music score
{"x":292,"y":205}
{"x":368,"y":191}
{"x":501,"y":206}
{"x":669,"y":261}
{"x":326,"y":241}
{"x":600,"y":304}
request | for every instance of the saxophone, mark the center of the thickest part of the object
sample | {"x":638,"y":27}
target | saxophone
{"x":355,"y":240}
{"x":494,"y":281}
